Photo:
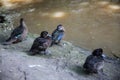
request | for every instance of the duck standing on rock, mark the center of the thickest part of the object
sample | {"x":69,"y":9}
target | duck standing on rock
{"x":41,"y":44}
{"x":57,"y":34}
{"x":19,"y":34}
{"x":95,"y":62}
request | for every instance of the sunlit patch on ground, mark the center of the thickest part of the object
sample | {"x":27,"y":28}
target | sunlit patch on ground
{"x":58,"y":14}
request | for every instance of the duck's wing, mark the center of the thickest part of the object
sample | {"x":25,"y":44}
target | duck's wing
{"x":35,"y":44}
{"x":39,"y":43}
{"x":17,"y":32}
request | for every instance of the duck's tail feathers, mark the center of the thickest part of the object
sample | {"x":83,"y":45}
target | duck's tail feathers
{"x":10,"y":41}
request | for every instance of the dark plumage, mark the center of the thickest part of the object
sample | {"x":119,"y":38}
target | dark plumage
{"x":41,"y":43}
{"x":2,"y":19}
{"x":18,"y":34}
{"x":95,"y":62}
{"x":57,"y":34}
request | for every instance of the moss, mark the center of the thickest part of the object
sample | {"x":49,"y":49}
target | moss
{"x":32,"y":35}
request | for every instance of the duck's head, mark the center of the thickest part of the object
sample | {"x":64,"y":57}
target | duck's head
{"x":60,"y":27}
{"x":44,"y":34}
{"x":97,"y":52}
{"x":21,"y":19}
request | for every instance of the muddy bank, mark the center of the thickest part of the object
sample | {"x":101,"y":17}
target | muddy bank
{"x":64,"y":63}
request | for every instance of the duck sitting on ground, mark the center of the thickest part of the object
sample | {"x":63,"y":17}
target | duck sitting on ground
{"x":41,"y":44}
{"x":19,"y":33}
{"x":95,"y":62}
{"x":57,"y":34}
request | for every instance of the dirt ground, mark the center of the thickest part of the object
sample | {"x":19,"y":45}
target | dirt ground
{"x":63,"y":63}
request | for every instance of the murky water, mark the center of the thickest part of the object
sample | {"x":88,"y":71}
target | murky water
{"x":89,"y":23}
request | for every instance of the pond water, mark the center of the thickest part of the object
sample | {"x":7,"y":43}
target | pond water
{"x":89,"y":24}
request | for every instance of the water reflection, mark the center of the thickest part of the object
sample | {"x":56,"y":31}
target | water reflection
{"x":114,"y":7}
{"x":58,"y":14}
{"x":89,"y":25}
{"x":16,"y":3}
{"x":103,"y":3}
{"x":53,"y":14}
